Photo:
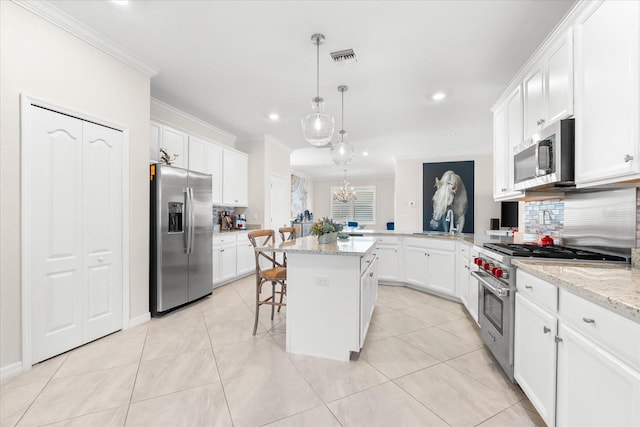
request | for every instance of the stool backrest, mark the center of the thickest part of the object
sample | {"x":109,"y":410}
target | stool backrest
{"x":287,"y":233}
{"x":264,"y":238}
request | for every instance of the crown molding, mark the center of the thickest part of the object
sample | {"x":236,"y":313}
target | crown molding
{"x":61,"y":19}
{"x":163,"y":106}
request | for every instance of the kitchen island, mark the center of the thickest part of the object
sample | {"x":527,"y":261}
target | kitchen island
{"x":331,"y":293}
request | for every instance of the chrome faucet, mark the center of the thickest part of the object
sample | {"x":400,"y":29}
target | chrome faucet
{"x":449,"y":219}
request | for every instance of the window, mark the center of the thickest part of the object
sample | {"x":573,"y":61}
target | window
{"x":362,"y":210}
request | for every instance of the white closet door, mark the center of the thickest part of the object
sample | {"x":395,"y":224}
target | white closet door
{"x":102,"y":211}
{"x":56,"y":232}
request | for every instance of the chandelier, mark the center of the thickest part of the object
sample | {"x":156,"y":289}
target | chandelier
{"x":318,"y":126}
{"x":342,"y":151}
{"x":345,"y":194}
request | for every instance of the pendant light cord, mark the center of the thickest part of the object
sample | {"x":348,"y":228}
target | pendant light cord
{"x":318,"y":67}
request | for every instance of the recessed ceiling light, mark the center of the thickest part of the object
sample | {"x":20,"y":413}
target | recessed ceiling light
{"x":120,"y":2}
{"x":452,"y":134}
{"x":438,"y":96}
{"x":274,"y":116}
{"x":365,"y":153}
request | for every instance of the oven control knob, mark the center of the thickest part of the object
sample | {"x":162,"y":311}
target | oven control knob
{"x":499,"y":273}
{"x":477,"y":261}
{"x":487,"y":266}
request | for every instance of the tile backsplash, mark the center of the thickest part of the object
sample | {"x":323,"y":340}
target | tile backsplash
{"x":544,"y":217}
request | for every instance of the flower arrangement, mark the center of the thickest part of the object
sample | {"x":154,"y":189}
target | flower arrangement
{"x":325,"y":226}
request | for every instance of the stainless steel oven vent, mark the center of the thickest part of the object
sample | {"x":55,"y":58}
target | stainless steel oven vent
{"x":347,"y":56}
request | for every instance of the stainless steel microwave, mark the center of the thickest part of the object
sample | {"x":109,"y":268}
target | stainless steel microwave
{"x":549,"y":161}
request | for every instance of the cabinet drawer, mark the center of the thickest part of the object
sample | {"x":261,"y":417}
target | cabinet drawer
{"x":615,"y":333}
{"x":366,"y":261}
{"x":441,"y":243}
{"x":464,"y":249}
{"x":243,"y":237}
{"x":387,"y":240}
{"x":224,"y":239}
{"x":543,"y":293}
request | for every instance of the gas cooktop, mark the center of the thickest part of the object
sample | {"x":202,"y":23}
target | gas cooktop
{"x":553,"y":252}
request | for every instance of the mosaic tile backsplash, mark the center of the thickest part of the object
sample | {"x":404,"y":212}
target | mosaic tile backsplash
{"x":544,"y":217}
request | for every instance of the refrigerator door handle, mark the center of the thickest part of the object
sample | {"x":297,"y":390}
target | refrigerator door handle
{"x":187,"y":218}
{"x":192,"y":220}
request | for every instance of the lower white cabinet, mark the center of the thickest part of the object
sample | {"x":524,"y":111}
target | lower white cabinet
{"x":246,"y":261}
{"x":535,"y":355}
{"x":387,"y":252}
{"x":368,"y":295}
{"x":224,"y":257}
{"x":579,"y":367}
{"x":430,"y":264}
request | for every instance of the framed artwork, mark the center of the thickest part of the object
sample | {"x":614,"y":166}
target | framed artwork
{"x":298,"y":195}
{"x":448,"y":196}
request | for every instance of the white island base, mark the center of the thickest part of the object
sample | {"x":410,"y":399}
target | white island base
{"x":330,"y":299}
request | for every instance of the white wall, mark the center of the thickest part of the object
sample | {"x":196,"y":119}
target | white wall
{"x":384,"y":198}
{"x":408,"y":191}
{"x":41,"y":60}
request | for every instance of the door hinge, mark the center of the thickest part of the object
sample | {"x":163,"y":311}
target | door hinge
{"x":558,"y":339}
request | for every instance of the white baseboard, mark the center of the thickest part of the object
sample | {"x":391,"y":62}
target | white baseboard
{"x":10,"y":370}
{"x":139,"y":320}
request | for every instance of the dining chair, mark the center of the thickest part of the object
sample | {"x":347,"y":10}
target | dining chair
{"x":270,"y":271}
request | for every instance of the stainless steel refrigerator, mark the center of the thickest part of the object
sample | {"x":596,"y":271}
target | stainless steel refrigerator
{"x":181,"y":236}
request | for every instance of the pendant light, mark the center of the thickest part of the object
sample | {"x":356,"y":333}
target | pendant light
{"x":345,"y":194}
{"x":318,"y":126}
{"x":342,"y":152}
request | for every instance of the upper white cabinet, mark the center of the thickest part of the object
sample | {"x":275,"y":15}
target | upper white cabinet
{"x":176,"y":143}
{"x":548,"y":87}
{"x":206,"y":157}
{"x":606,"y":99}
{"x":234,"y":178}
{"x":507,"y":134}
{"x":155,"y":136}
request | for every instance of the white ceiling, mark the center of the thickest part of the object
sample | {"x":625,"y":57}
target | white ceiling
{"x":231,"y":63}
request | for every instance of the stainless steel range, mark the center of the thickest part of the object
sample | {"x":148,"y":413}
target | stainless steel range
{"x":496,"y":293}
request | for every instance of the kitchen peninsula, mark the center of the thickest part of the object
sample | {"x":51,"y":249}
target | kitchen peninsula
{"x":331,"y":293}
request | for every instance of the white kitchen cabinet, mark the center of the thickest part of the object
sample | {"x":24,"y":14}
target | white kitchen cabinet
{"x":535,"y":355}
{"x":607,"y":78}
{"x":176,"y":143}
{"x":595,"y":388}
{"x":155,"y":136}
{"x":368,"y":294}
{"x":246,"y":261}
{"x":235,"y":171}
{"x":224,"y":257}
{"x":430,"y":264}
{"x":206,"y":157}
{"x":507,"y":134}
{"x":474,"y":288}
{"x":388,"y":260}
{"x":548,"y":88}
{"x":466,"y":290}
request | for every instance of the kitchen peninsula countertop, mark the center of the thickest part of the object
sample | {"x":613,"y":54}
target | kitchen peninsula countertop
{"x":353,"y":246}
{"x":613,"y":286}
{"x":472,"y":238}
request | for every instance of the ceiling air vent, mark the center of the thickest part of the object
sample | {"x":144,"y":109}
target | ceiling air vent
{"x":347,"y":56}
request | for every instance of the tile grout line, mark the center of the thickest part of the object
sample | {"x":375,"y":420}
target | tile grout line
{"x":135,"y":380}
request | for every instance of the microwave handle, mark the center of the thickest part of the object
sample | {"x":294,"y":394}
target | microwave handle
{"x":547,"y":145}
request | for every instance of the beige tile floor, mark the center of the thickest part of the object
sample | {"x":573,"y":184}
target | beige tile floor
{"x":423,"y":364}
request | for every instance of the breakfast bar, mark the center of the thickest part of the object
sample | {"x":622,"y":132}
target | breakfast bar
{"x":331,"y":293}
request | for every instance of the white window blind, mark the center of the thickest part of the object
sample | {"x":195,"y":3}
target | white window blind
{"x":361,"y":210}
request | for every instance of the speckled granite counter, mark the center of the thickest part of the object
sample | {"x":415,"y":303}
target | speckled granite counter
{"x":612,"y":286}
{"x":354,"y":246}
{"x":472,"y":238}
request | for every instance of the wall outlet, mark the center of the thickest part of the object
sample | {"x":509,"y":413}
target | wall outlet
{"x":322,"y":281}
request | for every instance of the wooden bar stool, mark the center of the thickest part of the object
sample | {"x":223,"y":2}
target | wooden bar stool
{"x":276,"y":273}
{"x":286,"y":234}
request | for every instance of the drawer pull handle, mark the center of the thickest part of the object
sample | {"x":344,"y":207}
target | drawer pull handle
{"x":587,"y":320}
{"x":546,"y":330}
{"x":528,"y":287}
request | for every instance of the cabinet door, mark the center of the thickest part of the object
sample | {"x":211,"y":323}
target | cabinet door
{"x":473,"y":297}
{"x":246,"y":261}
{"x":533,"y":106}
{"x":235,"y":181}
{"x":416,"y":265}
{"x":228,"y":260}
{"x":387,"y":262}
{"x":214,"y":167}
{"x":594,"y":387}
{"x":242,"y":179}
{"x":155,"y":138}
{"x":441,"y":271}
{"x":177,"y":144}
{"x":606,"y":98}
{"x":197,"y":154}
{"x":535,"y":356}
{"x":500,"y":150}
{"x":558,"y":80}
{"x":462,"y":280}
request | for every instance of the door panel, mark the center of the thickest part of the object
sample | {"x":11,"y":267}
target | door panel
{"x":102,"y":211}
{"x":56,"y":232}
{"x":200,"y":259}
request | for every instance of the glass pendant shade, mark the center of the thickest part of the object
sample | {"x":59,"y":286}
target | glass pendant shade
{"x":342,"y":152}
{"x":318,"y":126}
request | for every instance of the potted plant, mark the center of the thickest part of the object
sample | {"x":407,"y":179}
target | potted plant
{"x":326,"y":230}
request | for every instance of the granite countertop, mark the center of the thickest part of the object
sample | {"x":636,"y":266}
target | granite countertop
{"x":613,"y":286}
{"x":353,"y":246}
{"x":471,"y":238}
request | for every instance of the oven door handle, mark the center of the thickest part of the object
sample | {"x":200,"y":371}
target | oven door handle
{"x":494,"y":289}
